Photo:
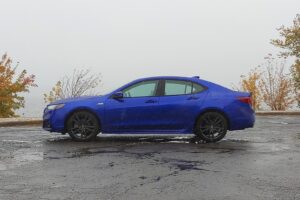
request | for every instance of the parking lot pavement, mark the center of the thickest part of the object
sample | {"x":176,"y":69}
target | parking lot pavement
{"x":258,"y":163}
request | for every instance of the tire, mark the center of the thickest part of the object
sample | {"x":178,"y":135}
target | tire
{"x":83,"y":126}
{"x":211,"y":127}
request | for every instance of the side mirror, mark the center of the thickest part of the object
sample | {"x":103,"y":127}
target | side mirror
{"x":118,"y":95}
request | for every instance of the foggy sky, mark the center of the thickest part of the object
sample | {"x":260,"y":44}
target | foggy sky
{"x":128,"y":39}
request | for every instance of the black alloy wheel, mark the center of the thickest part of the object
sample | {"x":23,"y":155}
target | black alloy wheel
{"x":211,"y":127}
{"x":83,"y":126}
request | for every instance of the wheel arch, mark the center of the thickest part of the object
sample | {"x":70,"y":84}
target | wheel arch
{"x":218,"y":110}
{"x":81,"y":109}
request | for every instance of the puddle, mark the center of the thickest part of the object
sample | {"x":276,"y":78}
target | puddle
{"x":141,"y":149}
{"x":92,"y":151}
{"x":184,"y":165}
{"x":149,"y":139}
{"x":133,"y":139}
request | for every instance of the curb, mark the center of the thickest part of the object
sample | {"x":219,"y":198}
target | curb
{"x":264,"y":113}
{"x":33,"y":122}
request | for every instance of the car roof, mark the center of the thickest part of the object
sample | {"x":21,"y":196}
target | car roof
{"x":169,"y":77}
{"x":193,"y":79}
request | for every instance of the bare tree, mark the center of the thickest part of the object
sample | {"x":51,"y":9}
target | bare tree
{"x":82,"y":82}
{"x":276,"y":86}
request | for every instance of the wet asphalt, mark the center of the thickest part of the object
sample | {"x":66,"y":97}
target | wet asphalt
{"x":258,"y":163}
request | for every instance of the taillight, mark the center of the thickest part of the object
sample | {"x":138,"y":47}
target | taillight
{"x":246,"y":100}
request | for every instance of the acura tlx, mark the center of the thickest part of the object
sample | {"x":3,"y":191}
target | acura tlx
{"x":165,"y":104}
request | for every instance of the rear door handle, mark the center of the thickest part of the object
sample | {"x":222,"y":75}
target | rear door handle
{"x":192,"y":98}
{"x":151,"y":101}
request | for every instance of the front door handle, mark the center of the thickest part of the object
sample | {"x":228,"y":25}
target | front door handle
{"x":151,"y":101}
{"x":192,"y":98}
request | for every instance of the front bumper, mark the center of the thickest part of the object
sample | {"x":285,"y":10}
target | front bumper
{"x":53,"y":120}
{"x":47,"y":117}
{"x":46,"y":125}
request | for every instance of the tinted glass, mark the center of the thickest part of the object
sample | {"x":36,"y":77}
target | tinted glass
{"x":175,"y":87}
{"x":197,"y":88}
{"x":141,"y":89}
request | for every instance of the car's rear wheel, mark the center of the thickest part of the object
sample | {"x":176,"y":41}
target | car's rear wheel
{"x":211,"y":127}
{"x":83,"y":126}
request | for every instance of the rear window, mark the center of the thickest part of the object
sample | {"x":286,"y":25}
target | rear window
{"x":175,"y":87}
{"x":178,"y":87}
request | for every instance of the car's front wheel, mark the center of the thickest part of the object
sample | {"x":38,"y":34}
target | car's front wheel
{"x":211,"y":127}
{"x":83,"y":126}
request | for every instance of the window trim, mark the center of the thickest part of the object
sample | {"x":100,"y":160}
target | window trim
{"x":192,"y":82}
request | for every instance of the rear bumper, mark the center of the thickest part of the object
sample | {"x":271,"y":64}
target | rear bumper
{"x":242,"y":118}
{"x":242,"y":123}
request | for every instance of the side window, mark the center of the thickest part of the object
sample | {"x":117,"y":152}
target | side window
{"x":141,"y":89}
{"x":175,"y":87}
{"x":197,"y":88}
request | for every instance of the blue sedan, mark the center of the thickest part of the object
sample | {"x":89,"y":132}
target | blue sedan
{"x":165,"y":104}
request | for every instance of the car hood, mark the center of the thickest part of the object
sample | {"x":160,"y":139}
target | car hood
{"x":75,"y":99}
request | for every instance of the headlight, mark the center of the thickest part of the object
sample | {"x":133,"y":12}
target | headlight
{"x":55,"y":106}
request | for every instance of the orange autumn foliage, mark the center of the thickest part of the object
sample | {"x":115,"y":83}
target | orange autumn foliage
{"x":269,"y":85}
{"x":276,"y":86}
{"x":11,"y":84}
{"x":250,"y":83}
{"x":289,"y":41}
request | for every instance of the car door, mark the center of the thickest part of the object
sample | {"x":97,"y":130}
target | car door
{"x":136,"y":111}
{"x":180,"y":104}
